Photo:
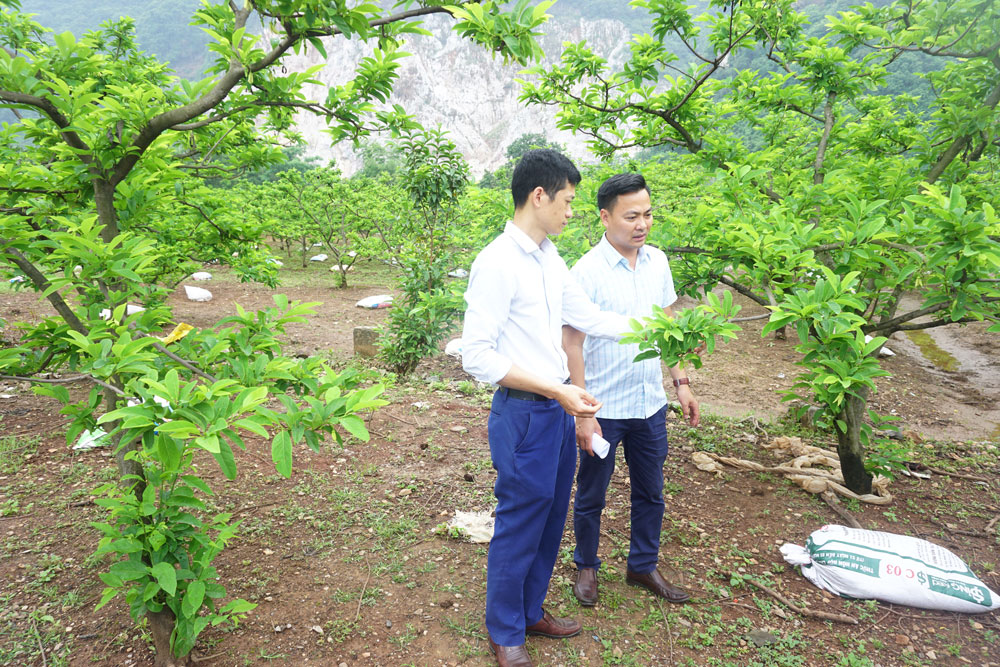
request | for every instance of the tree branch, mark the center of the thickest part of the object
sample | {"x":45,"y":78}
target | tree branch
{"x":50,"y":110}
{"x":961,"y":142}
{"x":742,"y":289}
{"x":818,"y":174}
{"x":895,"y":323}
{"x":42,"y":284}
{"x":69,"y":380}
{"x":936,"y":323}
{"x":236,"y":72}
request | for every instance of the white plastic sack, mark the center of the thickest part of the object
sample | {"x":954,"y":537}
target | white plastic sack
{"x":893,"y":568}
{"x":884,"y":352}
{"x":91,"y":439}
{"x":377,"y":301}
{"x":201,"y":275}
{"x":318,"y":258}
{"x":341,"y":267}
{"x":276,"y":262}
{"x":197,"y":293}
{"x":129,"y":310}
{"x":458,"y":273}
{"x":159,"y":400}
{"x":454,"y":348}
{"x":477,"y":526}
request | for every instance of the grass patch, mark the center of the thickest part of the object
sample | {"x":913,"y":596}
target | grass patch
{"x":13,"y":451}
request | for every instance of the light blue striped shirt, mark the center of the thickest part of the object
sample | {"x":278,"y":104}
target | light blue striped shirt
{"x":628,"y":390}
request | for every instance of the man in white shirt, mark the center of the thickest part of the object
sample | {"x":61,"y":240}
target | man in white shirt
{"x":624,"y":275}
{"x":520,"y":293}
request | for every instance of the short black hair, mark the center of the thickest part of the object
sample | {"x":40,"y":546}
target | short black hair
{"x":617,"y":185}
{"x":541,"y":167}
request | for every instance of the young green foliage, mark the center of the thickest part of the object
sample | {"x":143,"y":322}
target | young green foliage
{"x":676,"y":340}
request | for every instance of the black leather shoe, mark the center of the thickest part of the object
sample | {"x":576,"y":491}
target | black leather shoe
{"x":657,"y":585}
{"x":556,"y":628}
{"x":585,"y":588}
{"x":510,"y":656}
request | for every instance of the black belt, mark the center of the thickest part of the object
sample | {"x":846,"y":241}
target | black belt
{"x":526,"y":395}
{"x":523,"y":395}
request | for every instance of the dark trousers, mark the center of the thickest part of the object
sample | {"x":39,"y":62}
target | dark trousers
{"x":533,"y":447}
{"x":645,"y":447}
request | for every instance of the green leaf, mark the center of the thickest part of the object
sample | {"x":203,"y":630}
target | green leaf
{"x":226,"y":460}
{"x":251,"y":426}
{"x":193,"y":597}
{"x":281,"y":453}
{"x":129,"y":570}
{"x":356,"y":426}
{"x":166,"y":577}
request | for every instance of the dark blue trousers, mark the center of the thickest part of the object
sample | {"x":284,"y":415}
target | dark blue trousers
{"x":645,"y":447}
{"x":533,"y":447}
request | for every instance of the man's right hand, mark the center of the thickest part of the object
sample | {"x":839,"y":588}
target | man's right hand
{"x":577,"y":401}
{"x":586,"y":427}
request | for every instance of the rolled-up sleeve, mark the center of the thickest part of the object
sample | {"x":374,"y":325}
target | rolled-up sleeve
{"x":488,"y":300}
{"x":582,"y":314}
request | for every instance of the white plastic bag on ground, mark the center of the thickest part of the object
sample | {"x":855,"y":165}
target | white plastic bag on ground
{"x":91,"y":439}
{"x":454,"y":348}
{"x":476,"y":526}
{"x":201,"y":275}
{"x":884,"y":352}
{"x":129,"y":310}
{"x":318,"y":258}
{"x":276,"y":262}
{"x":376,"y":301}
{"x":893,"y":568}
{"x":197,"y":293}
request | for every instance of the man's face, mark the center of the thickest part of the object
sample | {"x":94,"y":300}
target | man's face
{"x":555,"y":212}
{"x":629,"y":221}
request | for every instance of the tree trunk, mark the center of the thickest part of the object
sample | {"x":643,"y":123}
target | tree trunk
{"x":104,"y":200}
{"x":849,"y":448}
{"x":161,"y":625}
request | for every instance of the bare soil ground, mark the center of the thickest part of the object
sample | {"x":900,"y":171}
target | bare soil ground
{"x":345,"y":567}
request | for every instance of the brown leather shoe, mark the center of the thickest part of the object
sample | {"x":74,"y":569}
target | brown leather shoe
{"x":656,"y":584}
{"x":585,"y":588}
{"x":510,"y":656}
{"x":556,"y":628}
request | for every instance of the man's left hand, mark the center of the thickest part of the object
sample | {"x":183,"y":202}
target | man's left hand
{"x":689,"y":404}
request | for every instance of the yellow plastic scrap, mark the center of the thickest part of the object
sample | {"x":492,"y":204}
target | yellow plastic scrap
{"x":179,"y":332}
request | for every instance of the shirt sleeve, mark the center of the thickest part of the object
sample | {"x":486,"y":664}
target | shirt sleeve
{"x":582,"y":314}
{"x":669,"y":294}
{"x":487,"y":299}
{"x":580,"y":275}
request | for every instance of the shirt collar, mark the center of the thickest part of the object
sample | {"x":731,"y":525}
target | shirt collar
{"x":525,"y":242}
{"x":613,"y":257}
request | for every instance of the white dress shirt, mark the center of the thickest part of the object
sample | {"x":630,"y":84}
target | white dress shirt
{"x":518,"y":297}
{"x":628,"y":390}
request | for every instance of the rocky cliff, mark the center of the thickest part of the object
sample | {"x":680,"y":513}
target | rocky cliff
{"x":453,"y":83}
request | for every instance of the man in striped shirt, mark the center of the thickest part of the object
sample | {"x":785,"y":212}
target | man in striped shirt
{"x":624,"y":275}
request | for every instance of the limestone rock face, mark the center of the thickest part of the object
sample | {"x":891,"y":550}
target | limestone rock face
{"x":449,"y":81}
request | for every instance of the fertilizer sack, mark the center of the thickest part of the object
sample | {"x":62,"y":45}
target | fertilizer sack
{"x":893,"y":568}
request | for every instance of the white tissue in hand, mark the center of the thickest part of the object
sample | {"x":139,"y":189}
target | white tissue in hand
{"x":600,"y":445}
